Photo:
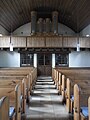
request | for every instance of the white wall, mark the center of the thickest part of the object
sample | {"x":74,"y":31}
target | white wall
{"x":26,"y":29}
{"x":3,"y":31}
{"x":85,"y":31}
{"x":9,"y":59}
{"x":79,"y":59}
{"x":64,"y":30}
{"x":35,"y":60}
{"x":53,"y":60}
{"x":76,"y":59}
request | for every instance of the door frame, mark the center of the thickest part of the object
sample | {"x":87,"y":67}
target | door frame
{"x":44,"y":68}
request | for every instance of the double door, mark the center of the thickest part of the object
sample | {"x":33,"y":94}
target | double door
{"x":44,"y":64}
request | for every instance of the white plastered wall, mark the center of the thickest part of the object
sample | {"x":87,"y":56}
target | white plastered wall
{"x":25,"y":30}
{"x":9,"y":59}
{"x":85,"y":31}
{"x":79,"y":59}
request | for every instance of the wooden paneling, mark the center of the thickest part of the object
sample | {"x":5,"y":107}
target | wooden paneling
{"x":41,"y":70}
{"x":35,"y":42}
{"x":44,"y":41}
{"x":84,"y":42}
{"x":4,"y":108}
{"x":4,"y":42}
{"x":53,"y":41}
{"x":44,"y":70}
{"x":69,"y":41}
{"x":18,"y":41}
{"x":48,"y":70}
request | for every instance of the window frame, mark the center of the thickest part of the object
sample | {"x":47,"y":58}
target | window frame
{"x":65,"y":60}
{"x":24,"y":57}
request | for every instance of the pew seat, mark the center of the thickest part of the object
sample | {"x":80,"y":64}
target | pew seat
{"x":84,"y":111}
{"x":71,"y":103}
{"x":81,"y":102}
{"x":72,"y":97}
{"x":11,"y":112}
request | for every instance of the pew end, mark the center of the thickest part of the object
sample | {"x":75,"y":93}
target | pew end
{"x":76,"y":102}
{"x":81,"y":102}
{"x":14,"y":95}
{"x":89,"y":107}
{"x":4,"y":108}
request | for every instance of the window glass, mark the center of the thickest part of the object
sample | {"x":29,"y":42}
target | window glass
{"x":26,"y":59}
{"x":61,"y":60}
{"x":44,"y":59}
{"x":48,"y":59}
{"x":40,"y":59}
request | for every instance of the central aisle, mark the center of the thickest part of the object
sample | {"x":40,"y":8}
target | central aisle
{"x":45,"y":103}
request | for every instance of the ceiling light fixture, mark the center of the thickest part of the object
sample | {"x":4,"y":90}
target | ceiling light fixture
{"x":11,"y":47}
{"x":87,"y":35}
{"x":78,"y":43}
{"x":11,"y":44}
{"x":78,"y":47}
{"x":1,"y":35}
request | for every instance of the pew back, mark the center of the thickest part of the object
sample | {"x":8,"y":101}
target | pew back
{"x":14,"y":94}
{"x":4,"y":108}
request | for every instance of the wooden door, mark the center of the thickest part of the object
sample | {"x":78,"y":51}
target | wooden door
{"x":44,"y":64}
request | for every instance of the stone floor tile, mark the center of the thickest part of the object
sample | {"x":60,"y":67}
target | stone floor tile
{"x":45,"y":103}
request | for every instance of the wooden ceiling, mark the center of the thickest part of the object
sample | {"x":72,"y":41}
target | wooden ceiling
{"x":73,"y":13}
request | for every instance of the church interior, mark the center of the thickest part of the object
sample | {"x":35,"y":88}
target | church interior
{"x":44,"y":59}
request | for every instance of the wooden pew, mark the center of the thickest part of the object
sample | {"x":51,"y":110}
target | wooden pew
{"x":18,"y":75}
{"x":33,"y":78}
{"x":89,"y":107}
{"x":4,"y":108}
{"x":57,"y":79}
{"x":81,"y":95}
{"x":30,"y":76}
{"x":63,"y":86}
{"x":13,"y":78}
{"x":77,"y":75}
{"x":7,"y":82}
{"x":70,"y":91}
{"x":21,"y":72}
{"x":13,"y":93}
{"x":73,"y":76}
{"x":53,"y":74}
{"x":59,"y":82}
{"x":16,"y":68}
